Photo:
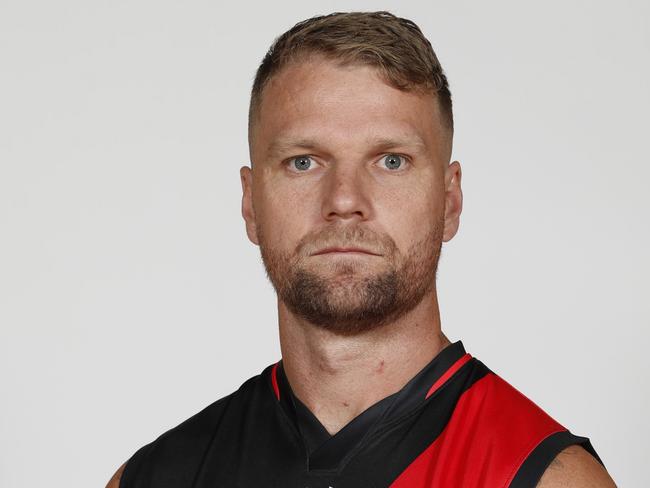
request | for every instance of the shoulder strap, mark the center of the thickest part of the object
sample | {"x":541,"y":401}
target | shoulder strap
{"x":540,"y":458}
{"x":132,"y":468}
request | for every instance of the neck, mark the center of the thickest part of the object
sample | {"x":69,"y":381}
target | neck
{"x":338,"y":377}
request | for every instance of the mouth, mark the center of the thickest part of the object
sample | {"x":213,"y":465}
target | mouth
{"x":345,"y":250}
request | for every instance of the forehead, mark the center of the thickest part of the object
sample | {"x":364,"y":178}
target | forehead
{"x":337,"y":104}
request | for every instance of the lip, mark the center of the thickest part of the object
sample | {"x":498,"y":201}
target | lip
{"x":344,"y":250}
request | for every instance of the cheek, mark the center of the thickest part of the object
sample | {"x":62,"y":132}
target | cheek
{"x":410,"y":215}
{"x":420,"y":195}
{"x":282,"y":214}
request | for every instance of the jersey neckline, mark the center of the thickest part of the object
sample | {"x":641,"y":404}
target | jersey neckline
{"x":331,"y":452}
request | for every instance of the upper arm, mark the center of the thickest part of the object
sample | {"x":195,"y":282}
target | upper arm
{"x":114,"y":482}
{"x":576,"y":468}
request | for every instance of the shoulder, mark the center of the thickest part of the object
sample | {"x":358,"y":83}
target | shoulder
{"x":575,"y":467}
{"x":529,"y":442}
{"x":507,"y":415}
{"x":179,"y":451}
{"x":114,"y":482}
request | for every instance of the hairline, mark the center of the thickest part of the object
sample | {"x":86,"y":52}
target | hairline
{"x":304,"y":57}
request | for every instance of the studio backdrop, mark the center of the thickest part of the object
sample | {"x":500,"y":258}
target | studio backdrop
{"x":131,"y":298}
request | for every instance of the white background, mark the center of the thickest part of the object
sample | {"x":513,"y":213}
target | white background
{"x":130,"y":297}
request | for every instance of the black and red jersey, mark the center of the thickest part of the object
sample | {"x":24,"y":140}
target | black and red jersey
{"x":455,"y":424}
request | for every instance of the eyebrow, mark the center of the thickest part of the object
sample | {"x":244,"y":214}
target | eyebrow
{"x":385,"y":143}
{"x":281,"y":146}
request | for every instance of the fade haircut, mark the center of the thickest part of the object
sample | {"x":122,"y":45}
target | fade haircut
{"x":393,"y":45}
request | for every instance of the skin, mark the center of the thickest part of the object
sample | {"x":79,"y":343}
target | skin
{"x":114,"y":482}
{"x":575,"y":467}
{"x":355,"y":327}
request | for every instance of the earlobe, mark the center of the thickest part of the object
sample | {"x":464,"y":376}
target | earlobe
{"x":453,"y":200}
{"x":247,"y":210}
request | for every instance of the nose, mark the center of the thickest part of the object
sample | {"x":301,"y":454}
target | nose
{"x":345,"y":194}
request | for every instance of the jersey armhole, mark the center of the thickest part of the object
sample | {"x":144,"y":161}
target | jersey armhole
{"x":127,"y":480}
{"x":532,"y":469}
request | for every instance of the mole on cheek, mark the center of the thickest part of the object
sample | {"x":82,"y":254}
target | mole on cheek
{"x":380,"y":368}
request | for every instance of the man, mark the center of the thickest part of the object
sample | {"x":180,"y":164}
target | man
{"x":349,"y":196}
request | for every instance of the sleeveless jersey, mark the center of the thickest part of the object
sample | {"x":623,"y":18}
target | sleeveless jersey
{"x":455,"y":424}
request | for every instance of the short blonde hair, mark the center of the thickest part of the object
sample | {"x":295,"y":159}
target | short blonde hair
{"x":395,"y":46}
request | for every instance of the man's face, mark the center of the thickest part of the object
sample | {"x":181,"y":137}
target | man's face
{"x":343,"y":160}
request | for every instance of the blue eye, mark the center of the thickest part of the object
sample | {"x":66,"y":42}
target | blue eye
{"x":393,"y":161}
{"x":301,"y":162}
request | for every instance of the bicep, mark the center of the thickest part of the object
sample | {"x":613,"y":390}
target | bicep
{"x":575,"y":467}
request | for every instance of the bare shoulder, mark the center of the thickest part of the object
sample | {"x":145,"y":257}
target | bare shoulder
{"x":114,"y":482}
{"x":576,"y":468}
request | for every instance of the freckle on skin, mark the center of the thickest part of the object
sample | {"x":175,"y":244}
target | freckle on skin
{"x":380,"y":369}
{"x":346,"y":404}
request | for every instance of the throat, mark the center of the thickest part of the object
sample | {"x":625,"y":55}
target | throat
{"x":337,"y":425}
{"x":331,"y":430}
{"x":337,"y":392}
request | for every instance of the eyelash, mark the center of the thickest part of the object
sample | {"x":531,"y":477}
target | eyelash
{"x":404,"y":159}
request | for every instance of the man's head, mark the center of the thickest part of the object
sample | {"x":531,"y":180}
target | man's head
{"x":350,"y":139}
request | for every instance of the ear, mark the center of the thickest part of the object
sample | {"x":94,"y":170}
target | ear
{"x":247,"y":211}
{"x":453,"y":200}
